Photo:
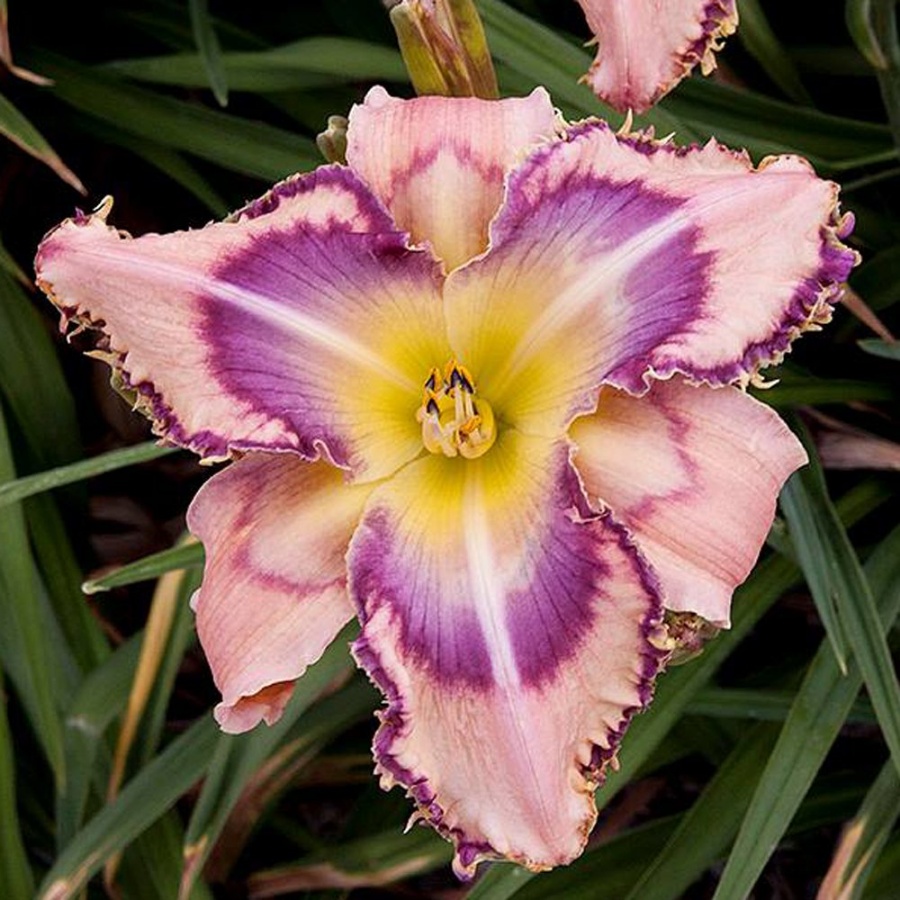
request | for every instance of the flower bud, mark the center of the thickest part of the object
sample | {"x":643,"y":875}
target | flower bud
{"x":444,"y":47}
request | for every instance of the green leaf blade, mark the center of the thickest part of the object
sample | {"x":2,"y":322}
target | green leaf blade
{"x":841,"y":590}
{"x":142,"y":802}
{"x":822,"y":704}
{"x":29,"y":485}
{"x":183,"y":556}
{"x":210,"y":51}
{"x":24,"y":135}
{"x":25,"y":645}
{"x":253,"y":148}
{"x":707,"y":829}
{"x":16,"y":880}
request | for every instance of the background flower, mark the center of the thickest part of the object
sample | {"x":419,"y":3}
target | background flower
{"x":645,"y":48}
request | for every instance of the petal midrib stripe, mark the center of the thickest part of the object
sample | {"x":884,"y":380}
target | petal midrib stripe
{"x":490,"y":605}
{"x":263,"y":307}
{"x":571,"y":301}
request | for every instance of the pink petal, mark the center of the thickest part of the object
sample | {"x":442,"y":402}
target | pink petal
{"x":615,"y":258}
{"x":274,"y":592}
{"x":302,"y":323}
{"x":438,"y":164}
{"x":694,"y":473}
{"x":509,"y":627}
{"x":645,"y":49}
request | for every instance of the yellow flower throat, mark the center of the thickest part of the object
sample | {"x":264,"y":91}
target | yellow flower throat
{"x":453,"y":421}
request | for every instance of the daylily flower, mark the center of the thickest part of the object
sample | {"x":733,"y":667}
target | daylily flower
{"x":645,"y":48}
{"x":478,"y":390}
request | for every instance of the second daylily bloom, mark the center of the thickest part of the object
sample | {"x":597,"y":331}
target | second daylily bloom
{"x":645,"y":48}
{"x":478,"y":390}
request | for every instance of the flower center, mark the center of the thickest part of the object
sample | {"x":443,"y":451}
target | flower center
{"x":453,"y":421}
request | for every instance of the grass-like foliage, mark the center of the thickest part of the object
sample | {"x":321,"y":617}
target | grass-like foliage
{"x":768,"y":764}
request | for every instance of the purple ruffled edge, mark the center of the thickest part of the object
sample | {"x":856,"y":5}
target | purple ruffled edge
{"x":814,"y":298}
{"x":810,"y":307}
{"x":719,"y":20}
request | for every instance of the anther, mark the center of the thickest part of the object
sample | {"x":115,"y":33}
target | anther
{"x":456,"y":375}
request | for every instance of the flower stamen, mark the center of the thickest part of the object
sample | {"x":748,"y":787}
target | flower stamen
{"x":453,"y":423}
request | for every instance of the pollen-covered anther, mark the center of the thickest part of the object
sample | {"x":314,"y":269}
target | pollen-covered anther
{"x":453,"y":422}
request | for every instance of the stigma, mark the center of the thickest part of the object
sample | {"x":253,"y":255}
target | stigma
{"x":454,"y":422}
